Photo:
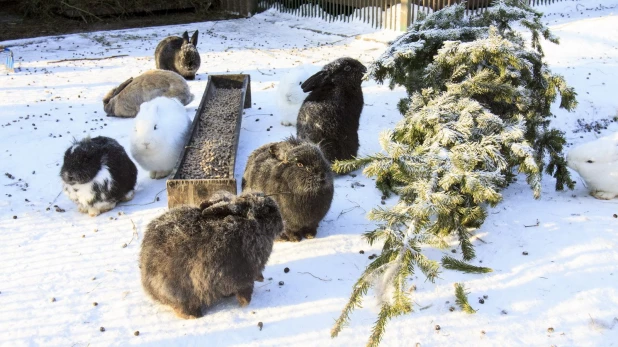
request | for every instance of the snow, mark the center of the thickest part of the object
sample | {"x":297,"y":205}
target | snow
{"x":567,"y":281}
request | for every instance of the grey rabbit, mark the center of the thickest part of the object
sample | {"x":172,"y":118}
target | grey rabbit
{"x":125,"y":100}
{"x":330,"y":114}
{"x":97,"y":173}
{"x":194,"y":256}
{"x":300,"y":180}
{"x":179,"y":54}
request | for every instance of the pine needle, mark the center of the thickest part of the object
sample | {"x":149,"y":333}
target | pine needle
{"x":458,"y":265}
{"x":461,"y":299}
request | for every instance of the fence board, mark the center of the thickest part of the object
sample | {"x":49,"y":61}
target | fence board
{"x":387,"y":14}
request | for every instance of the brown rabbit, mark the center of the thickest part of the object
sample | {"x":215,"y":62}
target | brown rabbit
{"x":179,"y":54}
{"x":124,"y":100}
{"x":195,"y":256}
{"x":300,"y":180}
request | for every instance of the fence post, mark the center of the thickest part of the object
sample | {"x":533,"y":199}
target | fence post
{"x":404,"y":17}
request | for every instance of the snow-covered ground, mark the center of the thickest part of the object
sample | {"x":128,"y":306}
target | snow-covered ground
{"x":54,"y":266}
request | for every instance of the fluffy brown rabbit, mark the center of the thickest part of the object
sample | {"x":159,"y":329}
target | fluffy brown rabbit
{"x":195,"y":256}
{"x":296,"y":174}
{"x":124,"y":100}
{"x":179,"y":54}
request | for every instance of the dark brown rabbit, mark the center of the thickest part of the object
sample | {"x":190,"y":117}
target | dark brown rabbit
{"x":195,"y":256}
{"x":331,"y":112}
{"x":179,"y":54}
{"x":296,"y":174}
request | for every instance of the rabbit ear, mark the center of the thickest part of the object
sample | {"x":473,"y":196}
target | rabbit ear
{"x":319,"y":79}
{"x":225,"y":209}
{"x":185,"y":37}
{"x":194,"y":38}
{"x":276,"y":151}
{"x":122,"y":86}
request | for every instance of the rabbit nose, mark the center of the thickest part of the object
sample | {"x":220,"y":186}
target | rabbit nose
{"x":146,"y":144}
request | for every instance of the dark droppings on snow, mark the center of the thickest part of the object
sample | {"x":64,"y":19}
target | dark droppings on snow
{"x":210,"y":152}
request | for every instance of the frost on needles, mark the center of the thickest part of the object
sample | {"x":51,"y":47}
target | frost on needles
{"x":478,"y":113}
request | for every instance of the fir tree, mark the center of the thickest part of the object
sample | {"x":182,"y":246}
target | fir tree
{"x":477,"y":115}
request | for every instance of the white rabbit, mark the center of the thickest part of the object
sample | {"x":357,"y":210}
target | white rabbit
{"x":290,"y":95}
{"x":597,"y":164}
{"x":159,"y":135}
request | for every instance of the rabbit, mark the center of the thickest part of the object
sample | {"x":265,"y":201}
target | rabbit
{"x":330,"y":114}
{"x":97,"y":173}
{"x":290,"y":95}
{"x":179,"y":54}
{"x":194,"y":256}
{"x":125,"y":100}
{"x":159,"y":135}
{"x":300,"y":180}
{"x":597,"y":163}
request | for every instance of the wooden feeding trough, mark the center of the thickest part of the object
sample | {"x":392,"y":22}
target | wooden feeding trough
{"x":206,"y":164}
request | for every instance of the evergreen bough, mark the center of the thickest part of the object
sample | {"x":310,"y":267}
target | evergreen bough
{"x":478,"y":113}
{"x":461,"y":299}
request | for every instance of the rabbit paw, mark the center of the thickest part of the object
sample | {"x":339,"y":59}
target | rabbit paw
{"x":290,"y":236}
{"x":129,"y":196}
{"x":244,"y":296}
{"x":187,"y":313}
{"x":159,"y":174}
{"x":100,"y":207}
{"x":603,"y":195}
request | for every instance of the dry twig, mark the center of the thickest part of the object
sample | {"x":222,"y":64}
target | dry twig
{"x":321,"y":279}
{"x":76,"y":59}
{"x":134,"y":232}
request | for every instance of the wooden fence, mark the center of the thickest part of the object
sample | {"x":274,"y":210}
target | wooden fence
{"x":388,"y":14}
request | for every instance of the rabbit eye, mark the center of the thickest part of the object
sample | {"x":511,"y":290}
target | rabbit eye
{"x":155,"y":127}
{"x":299,"y":164}
{"x":589,"y":161}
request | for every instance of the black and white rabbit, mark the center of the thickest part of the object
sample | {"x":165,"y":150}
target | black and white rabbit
{"x":159,"y":134}
{"x":300,"y":180}
{"x":179,"y":54}
{"x":195,"y":256}
{"x":330,"y":114}
{"x":97,"y":173}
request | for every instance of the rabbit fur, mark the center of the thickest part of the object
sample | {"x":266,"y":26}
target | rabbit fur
{"x":195,"y":256}
{"x":597,"y":164}
{"x":159,"y":135}
{"x":125,"y":100}
{"x":179,"y":54}
{"x":290,"y":95}
{"x":97,"y":173}
{"x":300,"y":180}
{"x":330,"y":114}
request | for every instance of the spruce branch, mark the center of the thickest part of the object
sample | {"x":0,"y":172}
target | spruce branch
{"x":461,"y":299}
{"x":458,"y":265}
{"x":360,"y":289}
